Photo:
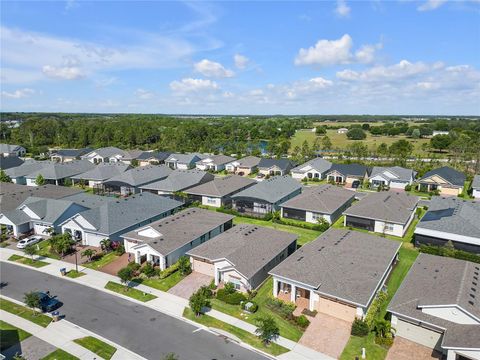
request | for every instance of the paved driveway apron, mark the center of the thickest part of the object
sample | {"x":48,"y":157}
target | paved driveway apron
{"x":190,"y":284}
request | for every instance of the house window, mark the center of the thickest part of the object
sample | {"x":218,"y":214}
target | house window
{"x":389,"y":227}
{"x":236,"y":283}
{"x":210,"y":200}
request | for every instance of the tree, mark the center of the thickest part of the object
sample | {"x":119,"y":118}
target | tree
{"x":197,"y":302}
{"x":32,"y":300}
{"x":382,"y":328}
{"x":358,"y":149}
{"x":382,"y":149}
{"x":326,"y":143}
{"x":31,"y":250}
{"x":416,"y":133}
{"x":184,"y":265}
{"x":4,"y":177}
{"x":356,"y":134}
{"x":49,"y":231}
{"x":267,"y":329}
{"x":61,"y":243}
{"x":320,"y":130}
{"x":106,"y":245}
{"x":89,"y":253}
{"x":366,"y":127}
{"x":39,"y":180}
{"x":126,"y":274}
{"x":401,"y":148}
{"x":440,"y":142}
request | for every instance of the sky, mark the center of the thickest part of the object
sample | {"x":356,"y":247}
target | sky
{"x":263,"y":57}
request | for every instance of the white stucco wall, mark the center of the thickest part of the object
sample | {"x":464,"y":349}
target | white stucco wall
{"x":309,"y":217}
{"x":453,"y":314}
{"x":211,"y":201}
{"x":398,"y":229}
{"x":476,"y":193}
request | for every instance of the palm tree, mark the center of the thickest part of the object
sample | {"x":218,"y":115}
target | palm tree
{"x":106,"y":245}
{"x":89,"y":253}
{"x":49,"y":231}
{"x":382,"y":328}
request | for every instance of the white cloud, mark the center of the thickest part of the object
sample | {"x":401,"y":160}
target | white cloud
{"x":342,"y":9}
{"x":64,"y":73}
{"x":431,"y":5}
{"x":366,"y":53}
{"x":241,"y":61}
{"x":212,"y":69}
{"x":379,"y":73}
{"x":18,"y":94}
{"x":144,"y":94}
{"x":190,"y":85}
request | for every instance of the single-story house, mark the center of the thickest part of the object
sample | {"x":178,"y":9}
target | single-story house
{"x":450,"y":219}
{"x":114,"y":218}
{"x":446,"y":180}
{"x":339,"y":273}
{"x":312,"y":169}
{"x":66,"y":155}
{"x":440,"y":132}
{"x":130,"y":181}
{"x":183,"y":161}
{"x":243,"y":255}
{"x":152,"y":158}
{"x":105,"y":154}
{"x":266,"y":196}
{"x":12,"y":150}
{"x":476,"y":187}
{"x":100,"y":173}
{"x":8,"y":162}
{"x":342,"y":131}
{"x":318,"y":202}
{"x":57,"y":173}
{"x":18,"y":174}
{"x":164,"y":241}
{"x":437,"y":306}
{"x":274,"y":166}
{"x":218,"y":192}
{"x":394,"y":177}
{"x":385,"y":212}
{"x":351,"y":175}
{"x":243,"y":166}
{"x":214,"y":162}
{"x":178,"y":181}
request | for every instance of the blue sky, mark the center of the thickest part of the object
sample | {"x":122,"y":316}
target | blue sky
{"x":330,"y":57}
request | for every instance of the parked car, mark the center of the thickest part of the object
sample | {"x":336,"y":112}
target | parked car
{"x":22,"y":244}
{"x":48,"y":303}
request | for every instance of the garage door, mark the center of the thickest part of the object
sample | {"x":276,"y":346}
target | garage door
{"x":203,"y":267}
{"x":397,"y":185}
{"x":39,"y":229}
{"x":93,"y":239}
{"x":336,"y":309}
{"x":418,"y":334}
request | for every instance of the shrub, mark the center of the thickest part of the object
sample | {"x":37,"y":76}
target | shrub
{"x":282,"y":308}
{"x":375,"y":308}
{"x":134,"y":266}
{"x":408,"y":187}
{"x":148,"y":270}
{"x":212,"y":285}
{"x":251,"y":294}
{"x":120,"y":250}
{"x":448,"y":252}
{"x":184,"y":265}
{"x":229,"y":288}
{"x":359,"y":328}
{"x":384,"y":341}
{"x":197,"y":302}
{"x":234,"y":298}
{"x":205,"y":291}
{"x":302,"y":321}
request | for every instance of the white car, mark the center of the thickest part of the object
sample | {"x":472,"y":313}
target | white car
{"x":22,"y":244}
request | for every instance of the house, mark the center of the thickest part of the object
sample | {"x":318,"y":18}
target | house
{"x":214,"y":162}
{"x":114,"y":218}
{"x":218,"y":192}
{"x":8,"y":162}
{"x":12,"y":150}
{"x":152,"y":158}
{"x":338,"y":274}
{"x":58,"y":173}
{"x":394,"y":177}
{"x":342,"y":131}
{"x":446,"y":180}
{"x":130,"y":181}
{"x":476,"y":187}
{"x":437,"y":306}
{"x":450,"y":219}
{"x":243,"y":255}
{"x":440,"y":132}
{"x":312,"y":169}
{"x":243,"y":166}
{"x":183,"y":161}
{"x":383,"y":212}
{"x":273,"y":167}
{"x":105,"y":154}
{"x":178,"y":181}
{"x":163,"y":242}
{"x":265,"y":197}
{"x":18,"y":173}
{"x":100,"y":173}
{"x":66,"y":155}
{"x":351,"y":175}
{"x":318,"y":202}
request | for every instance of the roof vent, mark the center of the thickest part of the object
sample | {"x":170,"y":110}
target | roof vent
{"x":471,"y":302}
{"x":300,"y":258}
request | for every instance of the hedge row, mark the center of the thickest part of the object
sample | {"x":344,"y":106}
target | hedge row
{"x":449,"y":252}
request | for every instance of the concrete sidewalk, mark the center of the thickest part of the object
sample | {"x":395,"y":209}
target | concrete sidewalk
{"x":166,"y":303}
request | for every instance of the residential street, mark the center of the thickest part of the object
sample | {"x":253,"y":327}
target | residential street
{"x":140,"y":329}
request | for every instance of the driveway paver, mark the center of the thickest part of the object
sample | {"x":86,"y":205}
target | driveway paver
{"x":403,"y":349}
{"x":117,"y":264}
{"x":30,"y":348}
{"x":190,"y":284}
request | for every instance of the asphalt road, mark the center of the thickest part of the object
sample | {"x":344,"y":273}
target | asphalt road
{"x":140,"y":329}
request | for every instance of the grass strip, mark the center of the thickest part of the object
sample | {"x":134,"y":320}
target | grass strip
{"x":97,"y":346}
{"x":24,"y":312}
{"x":59,"y":354}
{"x":130,"y":292}
{"x":26,"y":261}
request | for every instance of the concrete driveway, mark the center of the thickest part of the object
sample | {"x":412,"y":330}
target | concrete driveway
{"x":190,"y":284}
{"x":403,"y":349}
{"x":327,"y":334}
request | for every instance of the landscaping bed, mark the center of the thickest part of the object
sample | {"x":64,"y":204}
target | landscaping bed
{"x":27,"y":261}
{"x":130,"y":292}
{"x":24,"y":312}
{"x":97,"y":346}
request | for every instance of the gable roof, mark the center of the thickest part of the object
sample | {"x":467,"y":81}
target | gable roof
{"x":347,"y":265}
{"x":271,"y":190}
{"x":222,"y":186}
{"x":157,"y":155}
{"x":217,"y":159}
{"x":55,"y":171}
{"x":179,"y":229}
{"x":324,"y":199}
{"x":140,"y":175}
{"x":249,"y":248}
{"x":28,"y":167}
{"x":476,"y":182}
{"x":103,"y":171}
{"x":349,"y":169}
{"x":48,"y":210}
{"x":106,"y":152}
{"x":283,"y":164}
{"x":9,"y":148}
{"x":389,"y":206}
{"x":10,"y":162}
{"x":401,"y":174}
{"x":185,"y":158}
{"x":318,"y":164}
{"x":89,"y":200}
{"x":71,"y":152}
{"x":447,"y":173}
{"x":247,"y":162}
{"x":179,"y":180}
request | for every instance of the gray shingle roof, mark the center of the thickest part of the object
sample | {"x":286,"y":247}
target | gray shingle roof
{"x":248,"y":247}
{"x":141,"y":175}
{"x":270,"y":190}
{"x":26,"y":168}
{"x":55,"y":171}
{"x":179,"y":180}
{"x":185,"y":158}
{"x":389,"y":206}
{"x":9,"y":148}
{"x":180,"y":229}
{"x":10,"y":162}
{"x":88,"y":200}
{"x":108,"y":151}
{"x":217,"y":159}
{"x":222,"y":186}
{"x":247,"y":162}
{"x":103,"y":171}
{"x":71,"y":152}
{"x":453,"y":176}
{"x":157,"y":155}
{"x":344,"y":264}
{"x":283,"y":164}
{"x":324,"y":199}
{"x":48,"y":210}
{"x":452,"y":215}
{"x":476,"y":182}
{"x":402,"y":174}
{"x":349,"y":169}
{"x":319,"y":164}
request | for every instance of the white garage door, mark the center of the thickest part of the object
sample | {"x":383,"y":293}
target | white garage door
{"x":39,"y":229}
{"x":93,"y":239}
{"x":397,"y":185}
{"x":418,"y":334}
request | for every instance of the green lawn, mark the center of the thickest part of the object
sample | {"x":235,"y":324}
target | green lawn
{"x":10,"y":335}
{"x":28,"y":261}
{"x":162,"y":284}
{"x":97,"y":346}
{"x":24,"y":312}
{"x":75,"y":274}
{"x":130,"y":292}
{"x":102,"y":261}
{"x":59,"y":354}
{"x":300,"y":136}
{"x":287,"y":329}
{"x":45,"y":250}
{"x":245,"y":336}
{"x":355,"y":345}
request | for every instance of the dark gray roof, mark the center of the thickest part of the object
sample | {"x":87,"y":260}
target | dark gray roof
{"x":114,"y":216}
{"x":88,"y":200}
{"x":140,"y":175}
{"x":462,"y":336}
{"x":103,"y":171}
{"x":318,"y":164}
{"x":349,"y":169}
{"x":476,"y":182}
{"x":48,"y":210}
{"x":108,"y":151}
{"x":71,"y":152}
{"x":389,"y":206}
{"x":401,"y":173}
{"x":452,"y":215}
{"x":248,"y":162}
{"x":185,"y":158}
{"x":26,"y":168}
{"x":222,"y":186}
{"x":436,"y":280}
{"x":343,"y":264}
{"x":270,"y":190}
{"x":283,"y":164}
{"x":179,"y":180}
{"x":179,"y":229}
{"x":217,"y":159}
{"x":248,"y":247}
{"x":10,"y":162}
{"x":453,"y":176}
{"x":157,"y":155}
{"x":324,"y":199}
{"x":55,"y":171}
{"x":9,"y":148}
